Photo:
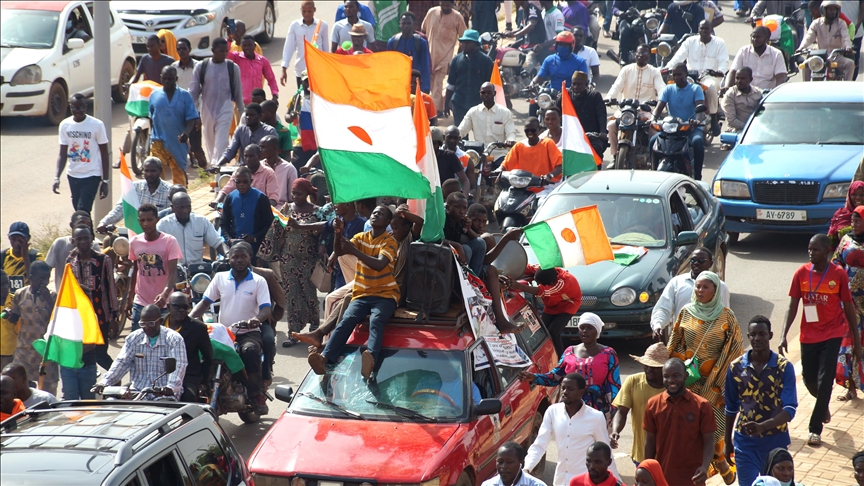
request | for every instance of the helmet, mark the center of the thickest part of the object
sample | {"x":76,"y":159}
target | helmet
{"x":566,"y":37}
{"x":830,"y":3}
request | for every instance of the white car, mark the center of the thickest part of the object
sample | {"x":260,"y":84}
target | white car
{"x":42,"y":62}
{"x":198,"y":21}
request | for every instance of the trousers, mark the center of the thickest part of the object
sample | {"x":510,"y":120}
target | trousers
{"x":78,"y":382}
{"x":84,"y":191}
{"x":268,"y":341}
{"x":749,"y":463}
{"x":214,"y":131}
{"x":251,"y":344}
{"x":555,"y":324}
{"x":818,"y":366}
{"x":379,"y":310}
{"x":171,"y":169}
{"x":475,"y":253}
{"x":712,"y":96}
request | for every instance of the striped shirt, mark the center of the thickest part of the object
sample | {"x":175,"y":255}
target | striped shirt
{"x":375,"y":283}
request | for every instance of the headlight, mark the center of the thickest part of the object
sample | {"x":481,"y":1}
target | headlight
{"x":200,"y":282}
{"x":836,"y":191}
{"x":201,"y":19}
{"x":544,"y":100}
{"x":816,"y":63}
{"x":261,"y":480}
{"x":730,"y":189}
{"x":652,"y":23}
{"x":623,"y":296}
{"x":519,"y":182}
{"x":664,"y":49}
{"x":670,"y":127}
{"x":431,"y":482}
{"x":628,"y":118}
{"x":31,"y":74}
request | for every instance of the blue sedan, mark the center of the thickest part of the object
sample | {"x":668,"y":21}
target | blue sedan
{"x":792,"y":164}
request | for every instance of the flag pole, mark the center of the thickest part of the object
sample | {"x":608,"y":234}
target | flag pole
{"x":50,"y":331}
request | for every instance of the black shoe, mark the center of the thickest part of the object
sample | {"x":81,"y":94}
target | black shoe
{"x":261,"y":405}
{"x":715,"y":128}
{"x":289,"y":342}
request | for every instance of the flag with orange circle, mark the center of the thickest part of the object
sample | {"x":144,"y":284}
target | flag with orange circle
{"x":574,"y":238}
{"x":138,"y":101}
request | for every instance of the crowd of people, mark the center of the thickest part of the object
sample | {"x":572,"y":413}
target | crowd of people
{"x":701,"y":398}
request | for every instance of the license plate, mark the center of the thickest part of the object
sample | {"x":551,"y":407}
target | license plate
{"x":574,"y":323}
{"x":781,"y":215}
{"x":140,"y":39}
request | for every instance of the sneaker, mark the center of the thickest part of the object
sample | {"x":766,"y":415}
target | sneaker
{"x":289,"y":342}
{"x":318,"y":363}
{"x":715,"y":127}
{"x":367,"y":364}
{"x":814,"y":440}
{"x":261,"y":405}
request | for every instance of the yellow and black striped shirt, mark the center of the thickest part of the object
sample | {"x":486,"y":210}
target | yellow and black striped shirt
{"x":369,"y":282}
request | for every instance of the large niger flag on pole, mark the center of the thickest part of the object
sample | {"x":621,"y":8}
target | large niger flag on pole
{"x":73,"y":324}
{"x":574,"y":238}
{"x":577,"y":152}
{"x":432,"y":209}
{"x":361,"y":113}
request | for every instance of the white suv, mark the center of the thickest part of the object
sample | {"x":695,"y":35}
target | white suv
{"x":198,"y":21}
{"x":43,"y":62}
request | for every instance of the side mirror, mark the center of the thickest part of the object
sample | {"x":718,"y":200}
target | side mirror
{"x":170,"y":365}
{"x":687,"y":238}
{"x":702,"y":108}
{"x":729,"y":138}
{"x":75,"y":43}
{"x":488,"y":406}
{"x":284,"y":393}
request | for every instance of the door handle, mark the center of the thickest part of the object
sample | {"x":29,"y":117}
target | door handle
{"x":508,"y":410}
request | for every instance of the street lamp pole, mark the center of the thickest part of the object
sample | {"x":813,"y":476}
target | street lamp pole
{"x":102,"y":92}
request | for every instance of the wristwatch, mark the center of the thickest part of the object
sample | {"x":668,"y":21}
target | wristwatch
{"x":105,"y":181}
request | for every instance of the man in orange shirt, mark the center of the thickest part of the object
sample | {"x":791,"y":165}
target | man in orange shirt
{"x":9,"y":405}
{"x":540,"y":157}
{"x":428,"y":103}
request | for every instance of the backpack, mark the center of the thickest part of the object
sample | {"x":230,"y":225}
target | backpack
{"x":205,"y":63}
{"x":417,"y":51}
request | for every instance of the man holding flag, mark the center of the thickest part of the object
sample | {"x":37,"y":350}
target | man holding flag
{"x":152,"y":190}
{"x":590,"y":112}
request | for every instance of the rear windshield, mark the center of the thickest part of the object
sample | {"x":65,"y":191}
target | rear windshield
{"x":807,"y":123}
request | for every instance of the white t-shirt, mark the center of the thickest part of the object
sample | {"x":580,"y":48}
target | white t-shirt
{"x":342,"y":32}
{"x":83,"y":157}
{"x":591,"y":57}
{"x":554,"y":22}
{"x":239,"y":301}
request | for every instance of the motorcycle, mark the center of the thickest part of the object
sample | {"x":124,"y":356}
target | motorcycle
{"x":671,"y":151}
{"x":633,"y":136}
{"x":517,"y":202}
{"x":823,"y":66}
{"x":116,"y":245}
{"x":129,"y":393}
{"x":511,"y":64}
{"x":638,"y":28}
{"x":486,"y":160}
{"x":796,"y":22}
{"x":540,"y":99}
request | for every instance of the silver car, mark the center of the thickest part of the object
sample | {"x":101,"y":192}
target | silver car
{"x":199,"y":21}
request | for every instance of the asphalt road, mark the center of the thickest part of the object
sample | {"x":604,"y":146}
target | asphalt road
{"x":759,"y":267}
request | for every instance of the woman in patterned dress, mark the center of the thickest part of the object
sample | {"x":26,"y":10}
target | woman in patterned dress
{"x":850,"y":256}
{"x":842,"y":219}
{"x":597,"y":363}
{"x":709,"y":331}
{"x":292,"y":252}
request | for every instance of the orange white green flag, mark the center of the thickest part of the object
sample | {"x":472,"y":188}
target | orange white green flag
{"x":574,"y":238}
{"x":576,"y":150}
{"x":431,"y":209}
{"x":500,"y":99}
{"x":129,"y":198}
{"x":361,"y":113}
{"x":138,"y":101}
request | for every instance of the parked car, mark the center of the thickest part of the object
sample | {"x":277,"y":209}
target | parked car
{"x":118,"y":443}
{"x":47,"y":54}
{"x":668,"y":214}
{"x":198,"y":21}
{"x":416,"y":423}
{"x":792,"y":164}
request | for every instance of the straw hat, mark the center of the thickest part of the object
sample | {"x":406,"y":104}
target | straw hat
{"x":655,"y":356}
{"x":357,"y":30}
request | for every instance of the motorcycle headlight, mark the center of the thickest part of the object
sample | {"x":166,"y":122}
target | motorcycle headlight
{"x":623,"y":296}
{"x":670,"y":127}
{"x":31,"y":74}
{"x":201,"y":19}
{"x":545,"y":101}
{"x":652,"y":23}
{"x":816,"y":63}
{"x":836,"y":191}
{"x":628,"y":118}
{"x":519,"y":182}
{"x":664,"y":49}
{"x":731,"y":189}
{"x":200,"y":282}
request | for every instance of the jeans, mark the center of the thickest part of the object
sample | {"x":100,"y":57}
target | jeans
{"x":607,"y":17}
{"x":818,"y":365}
{"x":78,"y":382}
{"x":742,"y":5}
{"x":475,"y":253}
{"x":379,"y":311}
{"x":136,"y":316}
{"x":268,"y":337}
{"x":250,"y":352}
{"x":856,"y":46}
{"x":749,"y":463}
{"x":191,"y":384}
{"x":697,"y":144}
{"x":555,"y":324}
{"x":84,"y":192}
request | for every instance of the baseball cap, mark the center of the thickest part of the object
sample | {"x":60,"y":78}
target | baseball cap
{"x":19,"y":228}
{"x":437,"y":134}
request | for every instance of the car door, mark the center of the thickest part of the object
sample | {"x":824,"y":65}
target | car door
{"x":207,"y":461}
{"x":488,"y":427}
{"x":681,"y":221}
{"x":165,"y":470}
{"x":707,"y":221}
{"x":81,"y":61}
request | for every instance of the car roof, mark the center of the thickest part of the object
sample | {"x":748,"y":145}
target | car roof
{"x":635,"y":182}
{"x":46,"y":6}
{"x":830,"y":92}
{"x":446,"y":332}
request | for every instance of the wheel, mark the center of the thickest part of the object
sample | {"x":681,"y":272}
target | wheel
{"x":249,"y":417}
{"x":708,"y":136}
{"x":720,"y":264}
{"x":58,"y":104}
{"x":535,"y":430}
{"x":465,"y":479}
{"x":733,"y":237}
{"x":269,"y":24}
{"x":120,"y":93}
{"x":140,"y":150}
{"x":623,"y":159}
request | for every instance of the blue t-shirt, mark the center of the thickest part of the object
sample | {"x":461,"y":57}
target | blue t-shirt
{"x":365,"y":13}
{"x":556,"y":69}
{"x":681,"y":102}
{"x":679,"y":26}
{"x":168,"y":119}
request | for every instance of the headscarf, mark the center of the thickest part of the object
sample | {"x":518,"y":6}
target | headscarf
{"x":843,"y":217}
{"x":712,"y":310}
{"x":777,"y":455}
{"x":857,"y":238}
{"x":654,"y":469}
{"x":307,"y":187}
{"x":767,"y":481}
{"x":170,"y":43}
{"x":593,"y":319}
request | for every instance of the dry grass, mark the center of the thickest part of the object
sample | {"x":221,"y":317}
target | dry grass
{"x":43,"y":236}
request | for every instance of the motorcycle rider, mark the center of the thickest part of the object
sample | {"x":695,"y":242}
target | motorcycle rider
{"x":452,"y":136}
{"x":539,"y":156}
{"x":682,"y":18}
{"x":682,"y":99}
{"x":829,"y":32}
{"x":590,"y":109}
{"x":489,"y":122}
{"x":705,"y":52}
{"x":244,"y":298}
{"x":766,"y":62}
{"x":586,"y":52}
{"x":199,"y":351}
{"x":640,"y":81}
{"x":740,"y":101}
{"x":190,"y":230}
{"x":560,"y":66}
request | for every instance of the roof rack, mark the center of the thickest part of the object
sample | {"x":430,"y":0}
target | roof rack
{"x":183,"y":411}
{"x":454,"y":318}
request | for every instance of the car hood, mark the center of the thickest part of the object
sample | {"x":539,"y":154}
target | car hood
{"x":154,"y":6}
{"x":14,"y":58}
{"x":601,"y":278}
{"x":795,"y":162}
{"x":391,"y":452}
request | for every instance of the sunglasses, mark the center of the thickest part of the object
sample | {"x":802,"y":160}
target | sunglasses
{"x":530,"y":130}
{"x":700,"y":261}
{"x":150,"y":323}
{"x":181,"y":306}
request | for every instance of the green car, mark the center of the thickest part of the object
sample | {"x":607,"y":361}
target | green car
{"x":668,"y":214}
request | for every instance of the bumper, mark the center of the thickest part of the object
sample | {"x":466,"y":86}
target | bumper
{"x":24,"y":100}
{"x":201,"y":38}
{"x":741,"y":217}
{"x":628,"y":324}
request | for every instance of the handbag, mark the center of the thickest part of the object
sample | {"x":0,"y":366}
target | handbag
{"x":692,"y":364}
{"x":321,"y":277}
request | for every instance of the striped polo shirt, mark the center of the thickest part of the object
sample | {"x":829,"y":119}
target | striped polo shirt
{"x":369,"y":282}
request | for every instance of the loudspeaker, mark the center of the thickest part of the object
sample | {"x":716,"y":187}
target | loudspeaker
{"x":430,"y":278}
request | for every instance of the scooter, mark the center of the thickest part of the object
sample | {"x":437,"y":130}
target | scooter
{"x":517,"y":202}
{"x":671,"y":151}
{"x":633,"y":137}
{"x":639,"y":28}
{"x":823,"y":66}
{"x":540,"y":99}
{"x":129,"y":393}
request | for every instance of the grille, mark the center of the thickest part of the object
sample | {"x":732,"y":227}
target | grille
{"x":588,"y":301}
{"x":138,"y":25}
{"x":786,"y":192}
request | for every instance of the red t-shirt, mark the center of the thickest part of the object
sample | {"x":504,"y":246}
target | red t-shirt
{"x":562,"y":297}
{"x":585,"y":480}
{"x":828,"y":290}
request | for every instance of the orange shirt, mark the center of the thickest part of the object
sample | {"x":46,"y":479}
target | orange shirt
{"x":17,"y":407}
{"x":430,"y":106}
{"x":539,"y":160}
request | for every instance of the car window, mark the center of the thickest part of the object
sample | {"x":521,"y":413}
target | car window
{"x":680,"y":216}
{"x":92,"y":16}
{"x":164,"y":472}
{"x":696,"y":206}
{"x":533,"y":335}
{"x":205,"y":459}
{"x":806,"y":123}
{"x":33,"y":29}
{"x":80,"y":25}
{"x":132,"y":482}
{"x":483,"y":377}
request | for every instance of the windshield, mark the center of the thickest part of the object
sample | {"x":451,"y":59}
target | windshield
{"x":35,"y":29}
{"x":411,"y":384}
{"x":629,"y":220}
{"x":807,"y":123}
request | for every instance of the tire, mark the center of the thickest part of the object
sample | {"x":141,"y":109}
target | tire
{"x":538,"y":470}
{"x":140,"y":150}
{"x":720,"y":264}
{"x":623,"y":159}
{"x":708,"y":136}
{"x":733,"y":237}
{"x":249,"y":417}
{"x":119,"y":93}
{"x":465,"y":479}
{"x":58,"y":104}
{"x":269,"y":24}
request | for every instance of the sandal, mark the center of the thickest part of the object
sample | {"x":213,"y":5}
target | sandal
{"x":850,"y":395}
{"x":814,"y":440}
{"x":729,"y":477}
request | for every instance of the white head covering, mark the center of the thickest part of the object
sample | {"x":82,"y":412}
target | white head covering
{"x":766,"y":481}
{"x":593,"y":319}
